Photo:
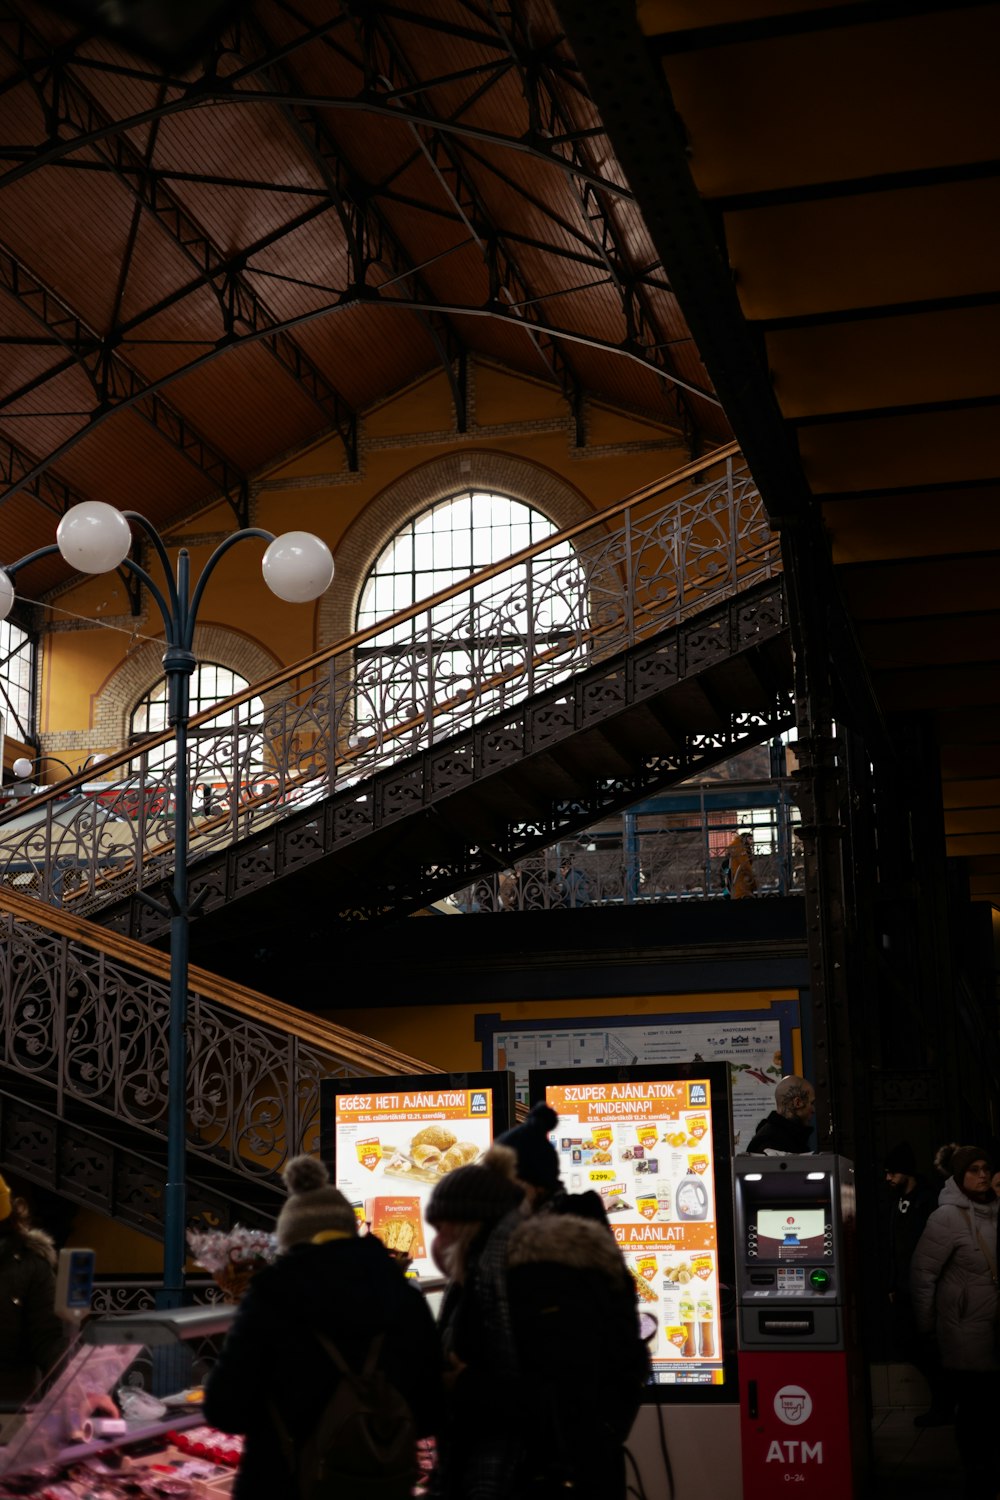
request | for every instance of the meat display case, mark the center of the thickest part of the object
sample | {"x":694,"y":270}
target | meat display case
{"x":52,"y":1448}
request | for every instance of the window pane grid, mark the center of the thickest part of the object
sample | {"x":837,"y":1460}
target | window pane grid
{"x":210,"y":684}
{"x":17,"y":676}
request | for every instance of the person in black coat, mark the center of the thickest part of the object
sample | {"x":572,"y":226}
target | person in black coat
{"x":911,"y":1203}
{"x":787,"y":1130}
{"x":348,"y":1287}
{"x":32,"y":1338}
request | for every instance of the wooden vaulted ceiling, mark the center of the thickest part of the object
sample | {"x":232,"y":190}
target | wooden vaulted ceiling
{"x":823,"y":182}
{"x":794,"y":202}
{"x":200,"y":273}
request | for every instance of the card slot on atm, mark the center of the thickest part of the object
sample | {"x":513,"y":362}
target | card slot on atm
{"x":785,"y":1327}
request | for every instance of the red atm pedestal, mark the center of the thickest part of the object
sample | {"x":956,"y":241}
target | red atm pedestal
{"x":795,"y":1424}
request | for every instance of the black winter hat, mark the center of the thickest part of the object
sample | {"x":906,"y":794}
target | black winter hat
{"x":961,"y":1160}
{"x":901,"y":1158}
{"x":481,"y":1193}
{"x":537,"y":1158}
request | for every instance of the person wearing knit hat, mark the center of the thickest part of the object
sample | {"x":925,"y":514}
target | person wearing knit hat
{"x":328,"y":1279}
{"x":32,"y":1338}
{"x":538,"y":1168}
{"x":315,"y":1211}
{"x":953,"y":1281}
{"x":537,"y":1158}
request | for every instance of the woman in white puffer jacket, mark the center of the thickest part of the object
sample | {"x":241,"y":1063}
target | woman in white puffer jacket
{"x":953,"y":1282}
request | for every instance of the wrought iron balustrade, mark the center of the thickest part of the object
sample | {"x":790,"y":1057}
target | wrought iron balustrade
{"x":84,"y":1023}
{"x":637,"y":568}
{"x":645,"y":856}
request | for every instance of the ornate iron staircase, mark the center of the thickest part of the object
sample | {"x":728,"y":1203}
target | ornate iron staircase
{"x":449,"y":740}
{"x":83,"y":1095}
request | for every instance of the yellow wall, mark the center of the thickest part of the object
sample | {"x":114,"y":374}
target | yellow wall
{"x":313,"y":491}
{"x":118,"y":1249}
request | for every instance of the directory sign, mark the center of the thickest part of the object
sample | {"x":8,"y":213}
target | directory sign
{"x":656,"y":1151}
{"x":392,"y":1140}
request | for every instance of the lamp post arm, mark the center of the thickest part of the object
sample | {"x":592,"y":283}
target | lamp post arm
{"x":169,"y":617}
{"x":209,"y":569}
{"x":174,"y":612}
{"x":13,"y":568}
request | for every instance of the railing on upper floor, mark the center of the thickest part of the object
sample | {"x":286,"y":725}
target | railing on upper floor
{"x":649,"y":854}
{"x":659,"y":556}
{"x":85,"y":1013}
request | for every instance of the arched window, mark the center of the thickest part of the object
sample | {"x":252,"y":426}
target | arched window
{"x":481,"y":649}
{"x":210,"y":684}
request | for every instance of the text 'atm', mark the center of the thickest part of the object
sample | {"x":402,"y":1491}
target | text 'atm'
{"x":801,"y":1398}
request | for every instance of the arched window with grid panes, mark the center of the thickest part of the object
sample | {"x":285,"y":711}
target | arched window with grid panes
{"x":481,"y":647}
{"x":210,"y":684}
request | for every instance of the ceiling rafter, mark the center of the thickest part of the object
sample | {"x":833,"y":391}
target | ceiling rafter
{"x":238,"y":300}
{"x":548,"y":120}
{"x":113,"y":379}
{"x":216,"y":91}
{"x":43,"y":485}
{"x":506,"y":280}
{"x":363,"y":220}
{"x":349,"y":298}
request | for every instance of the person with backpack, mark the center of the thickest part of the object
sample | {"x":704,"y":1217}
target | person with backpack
{"x":332,"y":1367}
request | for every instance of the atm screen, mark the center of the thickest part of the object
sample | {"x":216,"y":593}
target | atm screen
{"x":790,"y":1233}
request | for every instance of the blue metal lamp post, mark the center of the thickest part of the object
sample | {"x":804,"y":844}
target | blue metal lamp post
{"x":95,"y":538}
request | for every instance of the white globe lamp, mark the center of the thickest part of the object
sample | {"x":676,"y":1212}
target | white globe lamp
{"x":297,"y":566}
{"x":6,"y":595}
{"x":93,"y":537}
{"x":22,"y":768}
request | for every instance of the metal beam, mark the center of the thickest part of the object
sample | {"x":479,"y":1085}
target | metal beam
{"x":442,"y":156}
{"x":353,"y":198}
{"x":21,"y":472}
{"x":111,"y":377}
{"x":548,"y":120}
{"x":346,"y":300}
{"x":238,"y":300}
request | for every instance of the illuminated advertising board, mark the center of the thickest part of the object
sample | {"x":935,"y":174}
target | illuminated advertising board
{"x":391,"y":1140}
{"x":656,"y":1149}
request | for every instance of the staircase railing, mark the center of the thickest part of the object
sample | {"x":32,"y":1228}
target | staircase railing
{"x":84,"y":1023}
{"x":646,"y":856}
{"x":411,"y":681}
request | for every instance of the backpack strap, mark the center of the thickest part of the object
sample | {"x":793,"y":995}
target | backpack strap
{"x":371,"y":1358}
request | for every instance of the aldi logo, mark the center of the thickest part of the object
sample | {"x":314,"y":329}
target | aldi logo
{"x":697,"y":1094}
{"x":479,"y":1104}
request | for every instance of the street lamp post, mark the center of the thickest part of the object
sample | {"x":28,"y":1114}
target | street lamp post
{"x":95,"y":538}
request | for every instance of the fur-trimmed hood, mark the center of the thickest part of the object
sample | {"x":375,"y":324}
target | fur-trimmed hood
{"x":564,"y":1239}
{"x":39,"y":1243}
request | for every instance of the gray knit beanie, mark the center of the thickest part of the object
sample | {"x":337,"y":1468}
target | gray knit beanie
{"x":478,"y":1194}
{"x":313,"y":1205}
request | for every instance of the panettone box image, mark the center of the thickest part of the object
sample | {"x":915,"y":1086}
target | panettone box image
{"x":396,"y":1222}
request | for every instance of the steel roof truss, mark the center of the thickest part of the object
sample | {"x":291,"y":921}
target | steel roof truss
{"x":84,"y":115}
{"x":364,"y":222}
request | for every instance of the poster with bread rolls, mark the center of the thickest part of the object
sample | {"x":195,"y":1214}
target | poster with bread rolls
{"x":394,"y":1145}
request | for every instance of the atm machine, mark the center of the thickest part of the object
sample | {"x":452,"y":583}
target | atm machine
{"x":803,"y":1397}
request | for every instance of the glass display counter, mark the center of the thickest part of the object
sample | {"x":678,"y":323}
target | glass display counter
{"x":65,"y":1445}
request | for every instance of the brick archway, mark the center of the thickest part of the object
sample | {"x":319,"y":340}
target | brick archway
{"x":504,"y":473}
{"x":140,"y":671}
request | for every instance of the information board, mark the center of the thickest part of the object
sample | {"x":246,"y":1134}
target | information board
{"x":759,"y":1048}
{"x":393,"y":1140}
{"x":648,"y":1147}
